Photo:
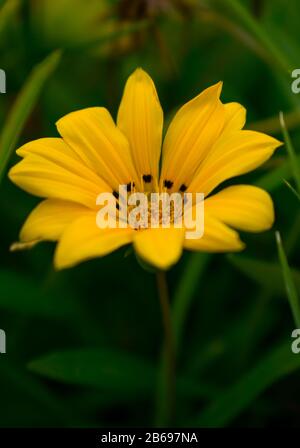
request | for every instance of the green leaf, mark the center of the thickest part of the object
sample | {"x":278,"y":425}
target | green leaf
{"x":99,"y":368}
{"x":265,"y":273}
{"x":279,"y":363}
{"x":291,"y":152}
{"x":23,"y":107}
{"x":21,"y":294}
{"x":115,"y":372}
{"x":23,"y":391}
{"x":290,"y":285}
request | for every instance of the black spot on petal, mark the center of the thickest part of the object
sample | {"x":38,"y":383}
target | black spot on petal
{"x":147,"y":178}
{"x":168,"y":183}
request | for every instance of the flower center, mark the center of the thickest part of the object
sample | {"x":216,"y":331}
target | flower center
{"x":153,"y":207}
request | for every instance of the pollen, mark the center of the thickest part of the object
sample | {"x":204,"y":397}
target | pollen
{"x":155,"y":208}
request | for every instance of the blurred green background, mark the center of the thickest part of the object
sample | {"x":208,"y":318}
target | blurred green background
{"x":83,"y":345}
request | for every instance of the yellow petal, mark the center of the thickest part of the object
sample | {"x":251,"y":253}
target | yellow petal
{"x":217,"y":237}
{"x":234,"y":154}
{"x":235,"y":118}
{"x":140,"y":118}
{"x":47,"y":147}
{"x":57,"y":151}
{"x":191,"y":134}
{"x":83,"y":240}
{"x":95,"y":138}
{"x":159,"y":247}
{"x":243,"y":207}
{"x":49,"y":219}
{"x":58,"y":179}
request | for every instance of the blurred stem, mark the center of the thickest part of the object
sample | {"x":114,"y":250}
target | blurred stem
{"x":166,"y":389}
{"x":185,"y":292}
{"x":272,"y":125}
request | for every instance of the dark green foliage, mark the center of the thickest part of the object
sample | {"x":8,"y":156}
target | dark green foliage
{"x":84,"y":345}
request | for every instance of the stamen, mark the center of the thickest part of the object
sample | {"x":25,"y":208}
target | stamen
{"x":147,"y":178}
{"x":116,"y":194}
{"x":128,"y":186}
{"x":168,"y":183}
{"x":117,"y":206}
{"x":183,"y":188}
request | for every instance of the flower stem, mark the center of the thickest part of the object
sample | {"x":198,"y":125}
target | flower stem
{"x":185,"y":293}
{"x":166,"y":387}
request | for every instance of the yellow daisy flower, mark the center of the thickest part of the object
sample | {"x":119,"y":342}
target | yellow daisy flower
{"x":203,"y":147}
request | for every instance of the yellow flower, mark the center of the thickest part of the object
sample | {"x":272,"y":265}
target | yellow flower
{"x":203,"y":147}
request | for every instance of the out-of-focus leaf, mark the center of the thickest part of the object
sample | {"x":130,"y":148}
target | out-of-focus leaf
{"x":265,"y":273}
{"x":111,"y":370}
{"x":49,"y":24}
{"x":21,"y":294}
{"x":289,"y":281}
{"x":24,"y":392}
{"x":81,"y":31}
{"x":7,"y":11}
{"x":235,"y":399}
{"x":117,"y":372}
{"x":23,"y":106}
